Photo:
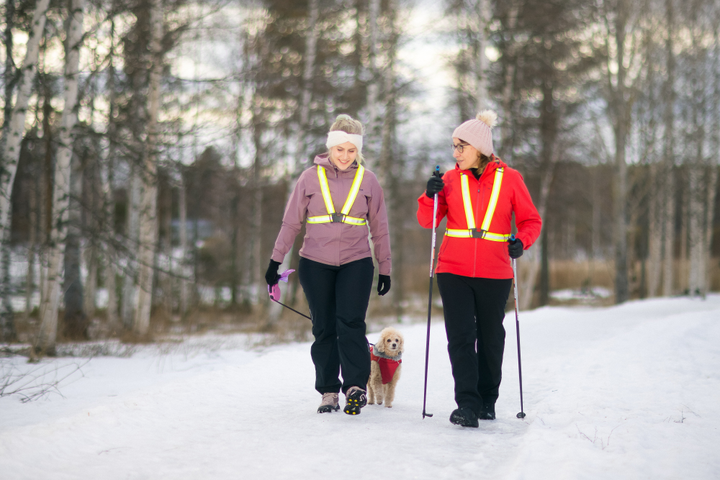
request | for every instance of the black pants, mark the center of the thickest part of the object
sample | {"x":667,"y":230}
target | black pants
{"x":338,"y":299}
{"x":474,"y":309}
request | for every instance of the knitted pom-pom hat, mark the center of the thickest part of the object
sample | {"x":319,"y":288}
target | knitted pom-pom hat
{"x":478,"y":132}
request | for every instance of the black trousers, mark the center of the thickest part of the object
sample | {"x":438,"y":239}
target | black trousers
{"x":474,"y":309}
{"x":338,"y":299}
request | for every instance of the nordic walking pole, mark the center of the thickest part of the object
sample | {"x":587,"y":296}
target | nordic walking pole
{"x":517,"y":330}
{"x":432,"y":261}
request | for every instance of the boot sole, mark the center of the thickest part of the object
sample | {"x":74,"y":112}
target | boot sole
{"x":355,"y":403}
{"x":328,"y":408}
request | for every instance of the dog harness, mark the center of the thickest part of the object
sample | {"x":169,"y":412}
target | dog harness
{"x":388,"y":365}
{"x":471,"y":231}
{"x":332,"y":216}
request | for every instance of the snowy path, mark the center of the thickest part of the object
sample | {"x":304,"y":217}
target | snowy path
{"x":621,"y":393}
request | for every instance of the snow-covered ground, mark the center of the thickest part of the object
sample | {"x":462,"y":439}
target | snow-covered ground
{"x":627,"y":392}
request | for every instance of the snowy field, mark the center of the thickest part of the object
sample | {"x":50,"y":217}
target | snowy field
{"x":627,"y":392}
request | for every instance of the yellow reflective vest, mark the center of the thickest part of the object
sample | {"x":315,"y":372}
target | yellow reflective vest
{"x":332,"y":216}
{"x":472,"y":231}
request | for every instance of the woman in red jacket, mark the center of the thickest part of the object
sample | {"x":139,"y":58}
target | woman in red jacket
{"x":474,"y":271}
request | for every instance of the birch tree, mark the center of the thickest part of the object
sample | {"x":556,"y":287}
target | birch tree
{"x":668,"y":185}
{"x":16,"y":126}
{"x":148,"y":209}
{"x":107,"y":175}
{"x":12,"y":135}
{"x":47,"y":336}
{"x":696,"y":155}
{"x":622,"y":37}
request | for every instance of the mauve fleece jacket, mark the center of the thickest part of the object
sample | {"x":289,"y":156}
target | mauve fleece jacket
{"x":336,"y":243}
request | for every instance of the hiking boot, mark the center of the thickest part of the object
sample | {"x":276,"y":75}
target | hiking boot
{"x":356,"y":399}
{"x":329,"y":403}
{"x":487,"y":412}
{"x":464,"y":417}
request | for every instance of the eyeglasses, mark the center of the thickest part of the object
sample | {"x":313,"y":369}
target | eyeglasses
{"x":459,"y":147}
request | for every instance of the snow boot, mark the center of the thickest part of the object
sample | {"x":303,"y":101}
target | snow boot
{"x":464,"y":417}
{"x":329,"y":403}
{"x":356,"y":399}
{"x":487,"y":412}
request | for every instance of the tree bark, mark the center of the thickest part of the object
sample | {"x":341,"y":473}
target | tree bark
{"x":148,"y":208}
{"x":75,"y":320}
{"x":481,"y":60}
{"x":16,"y":126}
{"x":107,"y":174}
{"x":668,"y":189}
{"x":184,"y":252}
{"x":47,"y":337}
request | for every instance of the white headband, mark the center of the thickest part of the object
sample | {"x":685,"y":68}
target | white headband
{"x":338,"y":137}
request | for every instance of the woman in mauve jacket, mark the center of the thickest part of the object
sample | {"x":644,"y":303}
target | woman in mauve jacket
{"x":339,"y":200}
{"x":474,"y":270}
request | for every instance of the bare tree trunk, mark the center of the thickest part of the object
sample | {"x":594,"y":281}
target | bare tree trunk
{"x":655,"y":235}
{"x":184,"y":252}
{"x":506,"y":124}
{"x":389,"y":159}
{"x":75,"y":321}
{"x":148,"y":210}
{"x":619,"y":41}
{"x":13,"y":136}
{"x":696,"y":234}
{"x":669,"y":156}
{"x":714,"y":153}
{"x":374,"y":122}
{"x":107,"y":175}
{"x":131,"y":234}
{"x":32,"y":247}
{"x":696,"y":171}
{"x":311,"y":37}
{"x":254,"y":263}
{"x":481,"y":60}
{"x":533,"y":262}
{"x":109,"y":247}
{"x":47,"y":337}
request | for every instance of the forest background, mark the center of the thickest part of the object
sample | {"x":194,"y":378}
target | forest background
{"x":148,"y":148}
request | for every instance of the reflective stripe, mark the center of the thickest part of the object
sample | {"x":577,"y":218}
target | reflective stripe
{"x":469,"y":215}
{"x":497,"y":182}
{"x":341,"y":217}
{"x":471,"y":231}
{"x":474,"y":233}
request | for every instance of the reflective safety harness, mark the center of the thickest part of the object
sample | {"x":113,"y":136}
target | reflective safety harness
{"x":341,"y":217}
{"x":471,"y":231}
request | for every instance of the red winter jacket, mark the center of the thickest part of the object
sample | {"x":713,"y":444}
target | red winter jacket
{"x":477,"y":257}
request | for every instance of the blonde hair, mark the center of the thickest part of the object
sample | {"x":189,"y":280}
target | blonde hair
{"x":345,"y":123}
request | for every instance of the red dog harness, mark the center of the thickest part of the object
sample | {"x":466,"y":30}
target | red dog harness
{"x":387,"y":365}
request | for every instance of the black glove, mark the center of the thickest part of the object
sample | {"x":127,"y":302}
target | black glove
{"x":383,"y":284}
{"x":515,"y":248}
{"x":434,"y":185}
{"x":271,"y":276}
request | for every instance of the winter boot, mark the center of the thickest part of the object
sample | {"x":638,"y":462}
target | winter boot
{"x":329,"y":403}
{"x":464,"y":417}
{"x":356,"y":399}
{"x":487,"y":412}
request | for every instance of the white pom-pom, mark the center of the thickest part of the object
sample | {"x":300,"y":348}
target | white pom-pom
{"x":488,"y":117}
